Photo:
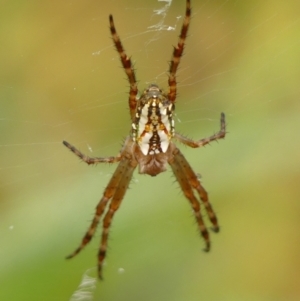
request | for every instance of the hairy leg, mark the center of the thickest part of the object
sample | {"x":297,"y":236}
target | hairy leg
{"x":109,"y":192}
{"x":178,"y":167}
{"x":127,"y":170}
{"x":191,"y":143}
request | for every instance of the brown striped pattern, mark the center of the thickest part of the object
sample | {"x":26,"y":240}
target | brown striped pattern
{"x":127,"y":65}
{"x":177,"y":53}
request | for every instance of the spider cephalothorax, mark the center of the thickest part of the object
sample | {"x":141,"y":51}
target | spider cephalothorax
{"x":150,"y":147}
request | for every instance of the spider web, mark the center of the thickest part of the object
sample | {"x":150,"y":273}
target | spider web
{"x":62,"y":80}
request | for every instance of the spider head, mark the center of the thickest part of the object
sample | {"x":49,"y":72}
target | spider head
{"x":153,"y":127}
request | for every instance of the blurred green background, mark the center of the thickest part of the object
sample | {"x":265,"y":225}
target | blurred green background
{"x":61,"y":79}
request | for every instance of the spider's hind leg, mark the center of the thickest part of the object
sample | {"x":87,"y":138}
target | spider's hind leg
{"x":127,"y":65}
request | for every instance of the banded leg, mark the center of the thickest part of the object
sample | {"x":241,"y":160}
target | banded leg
{"x":127,"y":168}
{"x":127,"y":65}
{"x":109,"y":192}
{"x":178,"y":167}
{"x":88,"y":159}
{"x":195,"y":183}
{"x":191,"y":143}
{"x":177,"y":53}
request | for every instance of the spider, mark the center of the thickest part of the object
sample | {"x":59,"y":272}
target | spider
{"x":150,"y":148}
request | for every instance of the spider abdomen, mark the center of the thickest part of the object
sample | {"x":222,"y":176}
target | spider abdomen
{"x":154,"y":126}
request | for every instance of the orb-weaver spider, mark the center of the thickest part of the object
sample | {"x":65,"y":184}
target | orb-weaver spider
{"x":149,"y":146}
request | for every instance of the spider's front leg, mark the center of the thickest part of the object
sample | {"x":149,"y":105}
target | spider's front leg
{"x":191,"y":143}
{"x":88,"y":159}
{"x":113,"y":195}
{"x":181,"y":169}
{"x":188,"y":181}
{"x":124,"y":171}
{"x":107,"y":196}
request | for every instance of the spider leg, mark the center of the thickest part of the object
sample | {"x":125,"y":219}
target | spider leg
{"x":125,"y":170}
{"x":193,"y":180}
{"x":88,"y":159}
{"x":177,"y":53}
{"x":127,"y":65}
{"x":191,"y":143}
{"x":109,"y":192}
{"x":179,"y":166}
